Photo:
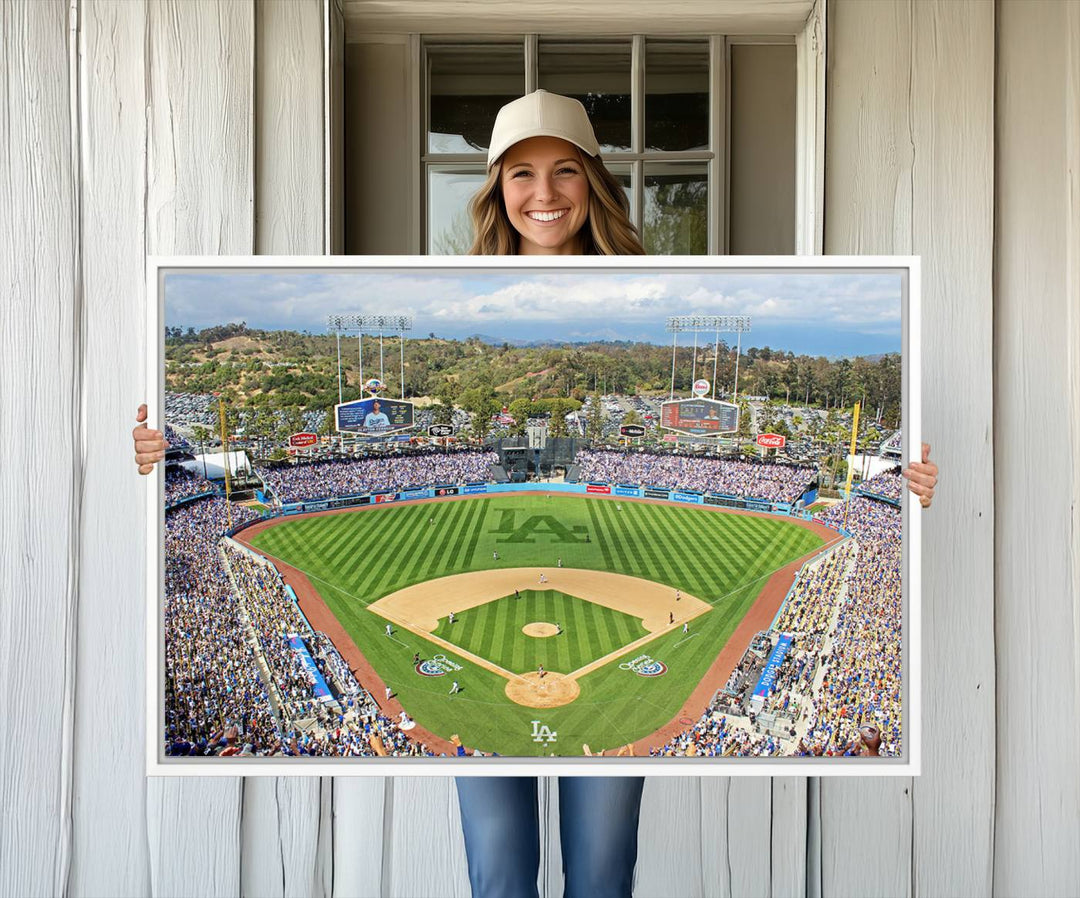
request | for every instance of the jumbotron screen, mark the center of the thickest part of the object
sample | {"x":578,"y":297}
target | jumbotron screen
{"x":700,"y":417}
{"x":374,"y":416}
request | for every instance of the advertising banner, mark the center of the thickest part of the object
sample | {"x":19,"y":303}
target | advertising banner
{"x":651,"y":493}
{"x":319,"y":690}
{"x":598,"y":488}
{"x":725,"y":501}
{"x":472,"y":488}
{"x":445,"y":491}
{"x":686,"y":497}
{"x":627,"y":491}
{"x":772,"y":667}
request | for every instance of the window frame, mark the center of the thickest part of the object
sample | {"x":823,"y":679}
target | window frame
{"x":809,"y":109}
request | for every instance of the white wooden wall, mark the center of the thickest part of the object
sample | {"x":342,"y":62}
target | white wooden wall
{"x":186,"y":126}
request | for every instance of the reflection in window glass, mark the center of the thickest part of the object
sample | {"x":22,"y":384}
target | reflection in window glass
{"x":676,"y":209}
{"x":597,"y":74}
{"x":623,"y":176}
{"x":676,"y":95}
{"x":467,"y":85}
{"x":449,"y":191}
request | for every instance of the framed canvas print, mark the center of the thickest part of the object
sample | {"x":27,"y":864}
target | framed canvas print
{"x":609,"y":515}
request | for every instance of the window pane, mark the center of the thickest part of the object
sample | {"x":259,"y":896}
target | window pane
{"x":449,"y":191}
{"x":467,"y":85}
{"x":676,"y":95}
{"x":597,"y":74}
{"x":623,"y":174}
{"x":676,"y":209}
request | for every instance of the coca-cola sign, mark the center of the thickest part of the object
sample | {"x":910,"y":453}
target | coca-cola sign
{"x":303,"y":440}
{"x":771,"y":440}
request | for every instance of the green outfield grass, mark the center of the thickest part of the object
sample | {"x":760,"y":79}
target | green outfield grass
{"x":358,"y":557}
{"x":494,"y":631}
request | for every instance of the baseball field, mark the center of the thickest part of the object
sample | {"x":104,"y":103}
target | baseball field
{"x":624,"y":605}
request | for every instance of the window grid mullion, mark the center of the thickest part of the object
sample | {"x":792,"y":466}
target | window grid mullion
{"x":637,"y":130}
{"x":532,"y":62}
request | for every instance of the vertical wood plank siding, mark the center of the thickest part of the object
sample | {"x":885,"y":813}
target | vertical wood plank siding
{"x":199,"y":201}
{"x":909,"y":169}
{"x":1036,"y":843}
{"x":281,"y":824}
{"x":200,"y":127}
{"x":868,"y":193}
{"x":109,"y":814}
{"x":952,"y":78}
{"x":40,"y":393}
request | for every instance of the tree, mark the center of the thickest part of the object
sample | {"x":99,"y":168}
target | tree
{"x":481,"y":404}
{"x":520,"y":410}
{"x":442,"y":414}
{"x":594,"y":425}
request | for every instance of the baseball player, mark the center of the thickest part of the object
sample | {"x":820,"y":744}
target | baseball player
{"x":558,"y":629}
{"x":415,"y":658}
{"x":389,"y":692}
{"x":495,"y":555}
{"x":455,"y":689}
{"x":686,"y":627}
{"x":678,"y":595}
{"x":389,"y":630}
{"x":540,"y":671}
{"x":671,"y":617}
{"x":451,"y":617}
{"x":559,"y":562}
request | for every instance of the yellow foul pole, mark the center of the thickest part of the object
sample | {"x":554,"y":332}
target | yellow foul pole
{"x":851,"y":468}
{"x":225,"y":449}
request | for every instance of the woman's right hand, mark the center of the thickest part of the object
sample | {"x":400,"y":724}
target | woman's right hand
{"x":150,"y":445}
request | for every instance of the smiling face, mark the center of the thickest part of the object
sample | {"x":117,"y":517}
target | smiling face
{"x":546,"y":195}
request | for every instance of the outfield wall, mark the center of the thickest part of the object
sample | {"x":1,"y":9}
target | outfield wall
{"x":594,"y":488}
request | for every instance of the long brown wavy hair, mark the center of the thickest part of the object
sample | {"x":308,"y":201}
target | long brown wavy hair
{"x":607,"y":231}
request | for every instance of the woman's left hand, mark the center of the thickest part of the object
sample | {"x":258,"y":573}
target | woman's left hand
{"x":922,"y":477}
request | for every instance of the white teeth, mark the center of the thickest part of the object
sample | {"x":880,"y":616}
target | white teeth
{"x":546,"y":216}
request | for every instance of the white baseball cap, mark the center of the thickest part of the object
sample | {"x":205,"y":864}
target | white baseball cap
{"x":541,"y":114}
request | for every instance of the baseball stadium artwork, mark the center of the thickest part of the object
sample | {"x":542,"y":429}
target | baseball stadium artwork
{"x":450,"y":516}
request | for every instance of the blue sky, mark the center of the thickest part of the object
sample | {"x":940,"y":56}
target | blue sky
{"x":817,"y":313}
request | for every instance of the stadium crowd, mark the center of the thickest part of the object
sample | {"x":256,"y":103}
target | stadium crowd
{"x":863,"y":667}
{"x":216,"y":699}
{"x":773,"y":483}
{"x":300,"y":483}
{"x":844,"y":667}
{"x":183,"y":484}
{"x":888,"y":484}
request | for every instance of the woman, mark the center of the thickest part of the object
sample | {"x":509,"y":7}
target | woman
{"x":547,"y":193}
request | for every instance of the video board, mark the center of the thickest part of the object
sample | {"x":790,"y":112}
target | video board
{"x":700,"y":417}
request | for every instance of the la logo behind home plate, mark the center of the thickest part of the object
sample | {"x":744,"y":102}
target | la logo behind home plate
{"x":542,"y":733}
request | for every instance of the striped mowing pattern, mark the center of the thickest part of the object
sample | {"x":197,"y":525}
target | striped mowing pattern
{"x":494,"y":631}
{"x":354,"y":558}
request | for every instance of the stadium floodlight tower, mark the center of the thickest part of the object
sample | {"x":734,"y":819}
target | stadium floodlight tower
{"x":707,"y":324}
{"x":370,"y":324}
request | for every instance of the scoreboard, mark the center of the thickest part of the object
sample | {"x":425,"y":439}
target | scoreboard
{"x":700,"y":417}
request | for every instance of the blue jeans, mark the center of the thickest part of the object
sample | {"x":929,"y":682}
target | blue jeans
{"x":598,"y":822}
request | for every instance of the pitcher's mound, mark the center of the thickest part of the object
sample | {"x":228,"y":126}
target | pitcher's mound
{"x":550,"y":691}
{"x":539,"y":628}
